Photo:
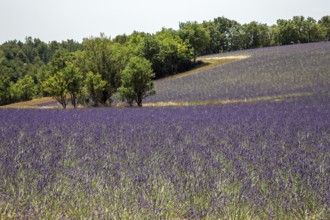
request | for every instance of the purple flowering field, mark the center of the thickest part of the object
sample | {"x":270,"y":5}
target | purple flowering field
{"x":258,"y":160}
{"x":270,"y":71}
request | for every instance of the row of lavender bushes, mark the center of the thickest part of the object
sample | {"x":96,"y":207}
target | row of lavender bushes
{"x":268,"y":160}
{"x":271,"y":71}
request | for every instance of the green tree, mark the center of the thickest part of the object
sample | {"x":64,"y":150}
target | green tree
{"x":287,"y":32}
{"x":4,"y":81}
{"x":137,"y":81}
{"x":225,"y":35}
{"x":217,"y":37}
{"x":4,"y":90}
{"x":57,"y":87}
{"x":274,"y":33}
{"x":53,"y":47}
{"x":41,"y":76}
{"x":314,"y":31}
{"x":95,"y":87}
{"x":99,"y":52}
{"x":24,"y":89}
{"x":15,"y":63}
{"x":119,"y":58}
{"x":325,"y":23}
{"x":214,"y":44}
{"x":19,"y":60}
{"x":174,"y":55}
{"x":36,"y":51}
{"x":257,"y":35}
{"x":196,"y":35}
{"x":121,"y":39}
{"x":62,"y":77}
{"x":300,"y":30}
{"x":60,"y":60}
{"x":299,"y":26}
{"x":74,"y":80}
{"x":72,"y":45}
{"x":150,"y":48}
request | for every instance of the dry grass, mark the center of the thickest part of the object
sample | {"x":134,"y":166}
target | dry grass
{"x":239,"y":57}
{"x":223,"y":102}
{"x":208,"y":63}
{"x":35,"y":102}
{"x":29,"y":104}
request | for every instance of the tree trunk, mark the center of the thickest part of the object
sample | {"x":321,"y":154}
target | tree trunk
{"x":139,"y":100}
{"x":74,"y":100}
{"x":63,"y":103}
{"x":195,"y":57}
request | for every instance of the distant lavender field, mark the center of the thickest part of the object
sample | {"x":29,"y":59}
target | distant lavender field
{"x":269,"y":71}
{"x":268,"y":160}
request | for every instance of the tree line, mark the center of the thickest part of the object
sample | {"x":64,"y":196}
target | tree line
{"x":101,"y":69}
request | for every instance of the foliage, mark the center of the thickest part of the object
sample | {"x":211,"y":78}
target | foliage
{"x":167,"y":52}
{"x":174,"y":55}
{"x":36,"y":51}
{"x":95,"y":87}
{"x":300,"y":30}
{"x":150,"y":48}
{"x":4,"y":90}
{"x":256,"y":35}
{"x":196,"y":36}
{"x":60,"y":60}
{"x":98,"y":55}
{"x":24,"y":89}
{"x":25,"y":66}
{"x":74,"y":79}
{"x":62,"y":73}
{"x":137,"y":81}
{"x":218,"y":30}
{"x":324,"y":22}
{"x":57,"y":87}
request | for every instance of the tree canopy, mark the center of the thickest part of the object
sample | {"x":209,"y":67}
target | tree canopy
{"x":137,"y":81}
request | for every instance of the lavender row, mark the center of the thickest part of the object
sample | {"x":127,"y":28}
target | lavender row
{"x":267,"y":160}
{"x":269,"y":71}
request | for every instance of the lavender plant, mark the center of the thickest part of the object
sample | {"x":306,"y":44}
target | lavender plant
{"x":272,"y":71}
{"x":268,"y":160}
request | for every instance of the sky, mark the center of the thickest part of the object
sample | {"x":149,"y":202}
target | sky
{"x":77,"y":19}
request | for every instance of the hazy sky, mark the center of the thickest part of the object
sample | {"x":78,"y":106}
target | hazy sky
{"x":75,"y":19}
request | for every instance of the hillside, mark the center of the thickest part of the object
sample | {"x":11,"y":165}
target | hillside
{"x":273,"y":71}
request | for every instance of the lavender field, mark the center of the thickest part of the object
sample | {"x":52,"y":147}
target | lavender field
{"x":258,"y":160}
{"x":297,"y":69}
{"x":268,"y":160}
